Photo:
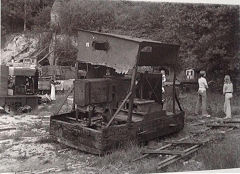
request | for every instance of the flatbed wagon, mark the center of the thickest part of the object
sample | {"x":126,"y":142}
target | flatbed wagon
{"x":100,"y":140}
{"x":111,"y":111}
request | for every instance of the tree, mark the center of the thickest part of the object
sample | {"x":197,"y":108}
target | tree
{"x":15,"y":12}
{"x":208,"y":35}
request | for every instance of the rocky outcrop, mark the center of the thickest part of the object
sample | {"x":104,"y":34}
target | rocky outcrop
{"x":19,"y":46}
{"x":22,"y":46}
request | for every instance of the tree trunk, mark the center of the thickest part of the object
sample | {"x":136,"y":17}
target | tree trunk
{"x":25,"y":16}
{"x":52,"y":47}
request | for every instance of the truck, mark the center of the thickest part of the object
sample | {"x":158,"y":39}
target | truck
{"x":19,"y":85}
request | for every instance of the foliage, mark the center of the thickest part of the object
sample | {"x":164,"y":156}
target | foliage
{"x":45,"y":140}
{"x":208,"y":35}
{"x":13,"y":14}
{"x":92,"y":15}
{"x":66,"y":53}
{"x":42,"y":19}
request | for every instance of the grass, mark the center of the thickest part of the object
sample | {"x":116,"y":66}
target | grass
{"x":147,"y":167}
{"x":54,"y":106}
{"x":3,"y":147}
{"x":22,"y":156}
{"x":122,"y":155}
{"x":37,"y":125}
{"x":214,"y":156}
{"x":215,"y":103}
{"x":47,"y":161}
{"x":125,"y":155}
{"x":45,"y":140}
{"x":222,"y":155}
{"x":219,"y":154}
{"x":66,"y":168}
{"x":16,"y":136}
{"x":29,"y":130}
{"x":120,"y":161}
{"x":29,"y":133}
{"x":29,"y":127}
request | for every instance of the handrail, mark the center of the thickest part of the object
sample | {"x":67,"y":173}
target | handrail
{"x":45,"y":56}
{"x":69,"y":92}
{"x":119,"y":108}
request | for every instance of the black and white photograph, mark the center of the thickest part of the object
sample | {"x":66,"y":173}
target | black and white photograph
{"x":119,"y":86}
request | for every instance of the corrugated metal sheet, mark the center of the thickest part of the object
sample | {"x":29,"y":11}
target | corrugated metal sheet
{"x":120,"y":56}
{"x":124,"y":37}
{"x":122,"y":51}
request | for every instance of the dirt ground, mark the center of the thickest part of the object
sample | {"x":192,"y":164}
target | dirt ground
{"x":26,"y":147}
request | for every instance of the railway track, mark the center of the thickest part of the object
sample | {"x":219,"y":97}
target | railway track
{"x":175,"y":150}
{"x":172,"y":150}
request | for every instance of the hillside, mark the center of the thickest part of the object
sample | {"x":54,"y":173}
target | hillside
{"x":208,"y":34}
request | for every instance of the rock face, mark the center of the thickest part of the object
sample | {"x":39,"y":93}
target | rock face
{"x":20,"y":46}
{"x":24,"y":45}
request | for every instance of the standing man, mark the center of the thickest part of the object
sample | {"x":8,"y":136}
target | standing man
{"x":202,"y":95}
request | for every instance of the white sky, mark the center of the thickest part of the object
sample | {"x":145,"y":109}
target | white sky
{"x":229,"y":2}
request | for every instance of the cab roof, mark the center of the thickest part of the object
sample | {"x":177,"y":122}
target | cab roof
{"x":123,"y":52}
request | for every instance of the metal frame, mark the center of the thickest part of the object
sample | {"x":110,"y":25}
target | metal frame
{"x":141,"y":44}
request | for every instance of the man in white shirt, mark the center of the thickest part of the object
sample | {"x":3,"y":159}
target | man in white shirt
{"x":202,"y":95}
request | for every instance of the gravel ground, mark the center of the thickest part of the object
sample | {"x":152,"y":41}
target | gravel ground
{"x":25,"y":145}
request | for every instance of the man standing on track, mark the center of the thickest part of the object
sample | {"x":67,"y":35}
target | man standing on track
{"x":202,"y":95}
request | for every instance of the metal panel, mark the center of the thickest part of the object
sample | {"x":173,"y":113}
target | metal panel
{"x":92,"y":91}
{"x":22,"y":71}
{"x":80,"y":92}
{"x":160,"y":55}
{"x":121,"y":54}
{"x":4,"y":71}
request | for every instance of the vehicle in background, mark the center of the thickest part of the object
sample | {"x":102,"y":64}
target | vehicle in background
{"x":19,"y":86}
